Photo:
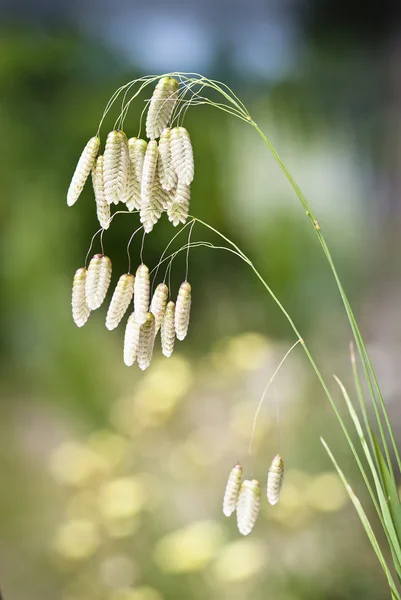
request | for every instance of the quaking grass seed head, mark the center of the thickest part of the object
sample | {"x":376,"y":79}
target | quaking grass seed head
{"x":102,"y":207}
{"x":183,"y":310}
{"x":275,"y":479}
{"x":82,"y":170}
{"x":141,"y":293}
{"x":248,"y":505}
{"x":149,"y":172}
{"x":136,"y":150}
{"x":120,"y":301}
{"x":146,"y":341}
{"x":161,"y":106}
{"x":182,"y":156}
{"x":97,"y":280}
{"x":167,"y":330}
{"x":232,"y":490}
{"x":116,"y":166}
{"x":158,"y":304}
{"x":80,"y":308}
{"x":131,"y":340}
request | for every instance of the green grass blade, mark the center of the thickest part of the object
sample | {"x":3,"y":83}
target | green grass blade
{"x":365,"y":522}
{"x":391,"y":491}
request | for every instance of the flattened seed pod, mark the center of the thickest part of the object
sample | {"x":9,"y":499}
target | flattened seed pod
{"x":141,"y":293}
{"x":275,"y":479}
{"x":82,"y":170}
{"x":80,"y":308}
{"x":151,"y":212}
{"x":146,"y":342}
{"x":102,"y":207}
{"x":232,"y":490}
{"x":158,"y":304}
{"x":137,"y":151}
{"x":167,"y":174}
{"x":178,"y":210}
{"x":149,"y":172}
{"x":120,"y":301}
{"x":161,"y":106}
{"x":182,"y":310}
{"x":167,"y":330}
{"x":115,"y":169}
{"x":131,"y":340}
{"x":97,"y":280}
{"x":248,"y":505}
{"x":182,"y":154}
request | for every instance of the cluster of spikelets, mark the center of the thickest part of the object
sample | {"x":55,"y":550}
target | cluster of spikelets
{"x":244,"y":496}
{"x":150,"y":177}
{"x":89,"y":290}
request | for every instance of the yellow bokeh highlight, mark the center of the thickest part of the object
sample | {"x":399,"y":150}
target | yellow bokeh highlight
{"x":77,"y":539}
{"x":122,"y":497}
{"x":110,"y":446}
{"x":240,"y":561}
{"x":247,"y":351}
{"x":138,"y":593}
{"x":326,"y":493}
{"x":189,"y":549}
{"x":73,"y":463}
{"x":117,"y":571}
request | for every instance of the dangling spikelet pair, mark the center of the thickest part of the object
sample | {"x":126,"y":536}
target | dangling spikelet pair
{"x":90,"y":287}
{"x":245,"y":497}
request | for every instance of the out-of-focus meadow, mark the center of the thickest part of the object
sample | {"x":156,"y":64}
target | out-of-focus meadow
{"x":112,"y":479}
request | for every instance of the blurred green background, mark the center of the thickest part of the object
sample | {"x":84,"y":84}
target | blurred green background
{"x":112,"y":479}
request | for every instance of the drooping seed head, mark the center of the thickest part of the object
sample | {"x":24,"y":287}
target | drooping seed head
{"x":120,"y":301}
{"x":150,"y":213}
{"x":182,"y":154}
{"x":116,"y":165}
{"x":82,"y":170}
{"x":178,"y":209}
{"x":161,"y":106}
{"x":131,"y":340}
{"x":141,"y":293}
{"x":248,"y":505}
{"x":167,"y":330}
{"x":97,"y":280}
{"x":275,"y":479}
{"x":149,"y":172}
{"x":80,"y":308}
{"x":102,"y":207}
{"x":232,"y":490}
{"x":146,"y":342}
{"x":167,"y":174}
{"x":158,"y":304}
{"x":182,"y":310}
{"x":137,"y":151}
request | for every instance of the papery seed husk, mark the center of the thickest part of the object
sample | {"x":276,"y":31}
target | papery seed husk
{"x":158,"y":304}
{"x":182,"y":154}
{"x":120,"y":301}
{"x":102,"y":207}
{"x":178,"y":210}
{"x":131,"y":340}
{"x":149,"y":173}
{"x":151,"y":212}
{"x":146,"y":342}
{"x":161,"y":106}
{"x":116,"y":164}
{"x":141,"y":293}
{"x":182,"y":310}
{"x":82,"y":170}
{"x":275,"y":479}
{"x":167,"y":175}
{"x":97,"y":280}
{"x":137,"y":151}
{"x":232,"y":490}
{"x":248,"y":506}
{"x":80,"y":308}
{"x":167,"y":330}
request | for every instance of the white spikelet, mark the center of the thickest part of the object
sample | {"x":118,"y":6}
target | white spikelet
{"x":167,"y":174}
{"x":182,"y":310}
{"x":82,"y":170}
{"x":178,"y":210}
{"x":161,"y":106}
{"x":102,"y":207}
{"x":131,"y":340}
{"x":80,"y":308}
{"x":275,"y":479}
{"x":141,"y":293}
{"x":137,"y":151}
{"x":149,"y":172}
{"x":150,"y":213}
{"x":116,"y":164}
{"x":120,"y":301}
{"x":167,"y":330}
{"x":158,"y":304}
{"x":182,"y":154}
{"x":248,"y":505}
{"x":97,"y":280}
{"x":232,"y":490}
{"x":146,"y":342}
